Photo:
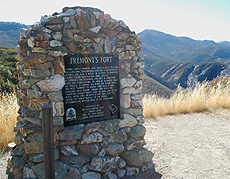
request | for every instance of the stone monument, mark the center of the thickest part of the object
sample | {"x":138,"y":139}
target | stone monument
{"x":88,"y":66}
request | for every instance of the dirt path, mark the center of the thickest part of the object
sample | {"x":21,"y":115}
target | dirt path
{"x":191,"y":146}
{"x":3,"y":162}
{"x":186,"y":146}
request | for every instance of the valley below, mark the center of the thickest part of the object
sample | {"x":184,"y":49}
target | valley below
{"x":174,"y":61}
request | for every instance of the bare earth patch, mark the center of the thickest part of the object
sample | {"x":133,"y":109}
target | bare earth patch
{"x":3,"y":163}
{"x":191,"y":145}
{"x":185,"y":146}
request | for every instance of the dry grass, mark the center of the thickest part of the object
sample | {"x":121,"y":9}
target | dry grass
{"x":8,"y":118}
{"x":209,"y":95}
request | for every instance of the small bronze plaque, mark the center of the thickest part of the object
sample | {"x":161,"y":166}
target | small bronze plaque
{"x":91,"y":91}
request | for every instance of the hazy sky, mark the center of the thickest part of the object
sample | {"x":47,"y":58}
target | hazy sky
{"x":198,"y":19}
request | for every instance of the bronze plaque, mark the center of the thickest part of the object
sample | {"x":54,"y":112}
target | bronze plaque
{"x":91,"y":91}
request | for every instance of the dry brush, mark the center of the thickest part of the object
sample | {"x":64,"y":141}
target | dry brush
{"x":8,"y":118}
{"x":208,"y":95}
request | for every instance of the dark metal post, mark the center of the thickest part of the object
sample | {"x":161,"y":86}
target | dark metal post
{"x":48,"y":141}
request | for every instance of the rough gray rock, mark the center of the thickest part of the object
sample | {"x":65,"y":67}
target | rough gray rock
{"x":103,"y":164}
{"x":91,"y":138}
{"x":114,"y":149}
{"x":91,"y":175}
{"x":137,"y":131}
{"x":137,"y":157}
{"x":78,"y":160}
{"x":73,"y":133}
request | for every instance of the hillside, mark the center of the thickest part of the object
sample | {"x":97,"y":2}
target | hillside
{"x":181,"y":49}
{"x":226,"y":43}
{"x":8,"y":72}
{"x":182,"y":60}
{"x":10,"y":33}
{"x":151,"y":86}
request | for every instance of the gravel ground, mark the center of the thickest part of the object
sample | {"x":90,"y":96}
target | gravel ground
{"x":190,"y":146}
{"x":3,"y":162}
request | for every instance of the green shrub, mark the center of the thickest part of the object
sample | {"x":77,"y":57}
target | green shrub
{"x":8,"y":71}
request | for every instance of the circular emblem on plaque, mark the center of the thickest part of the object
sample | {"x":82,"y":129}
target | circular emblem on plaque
{"x":71,"y":114}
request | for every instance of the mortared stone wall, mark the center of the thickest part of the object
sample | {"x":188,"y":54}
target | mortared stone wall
{"x":103,"y":149}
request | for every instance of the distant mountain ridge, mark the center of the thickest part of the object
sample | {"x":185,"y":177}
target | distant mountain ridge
{"x":226,"y":43}
{"x":182,"y":60}
{"x":10,"y":33}
{"x":181,"y":49}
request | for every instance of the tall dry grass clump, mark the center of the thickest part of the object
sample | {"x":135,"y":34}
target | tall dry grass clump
{"x":8,"y":118}
{"x":208,"y":95}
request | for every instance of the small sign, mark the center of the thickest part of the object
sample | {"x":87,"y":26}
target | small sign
{"x":91,"y":91}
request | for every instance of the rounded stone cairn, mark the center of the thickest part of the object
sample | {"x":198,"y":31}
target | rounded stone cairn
{"x":105,"y":149}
